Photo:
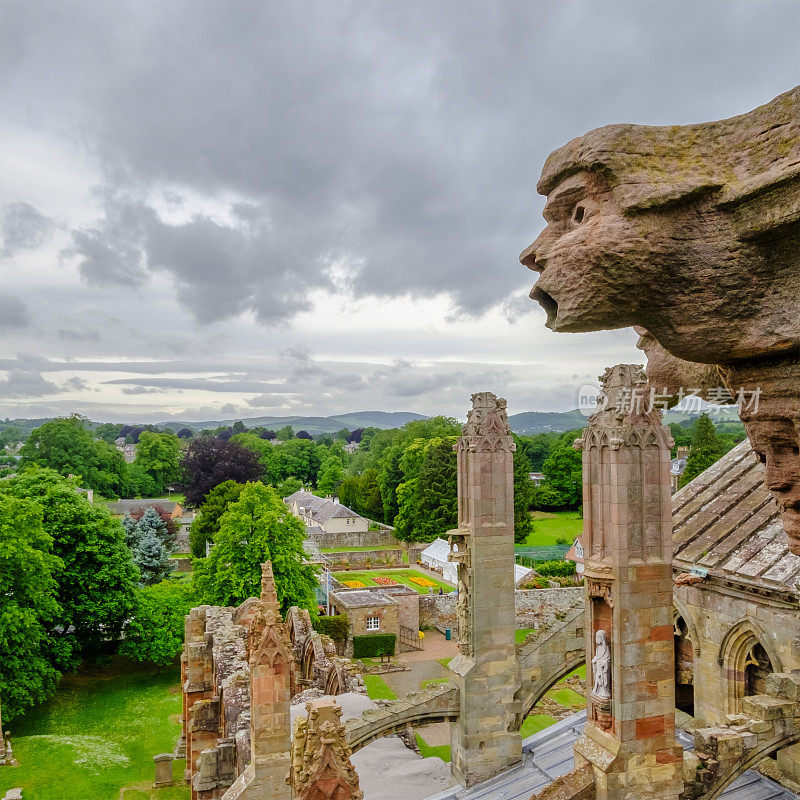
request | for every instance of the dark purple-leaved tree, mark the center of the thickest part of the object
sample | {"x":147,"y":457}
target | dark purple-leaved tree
{"x":208,"y":461}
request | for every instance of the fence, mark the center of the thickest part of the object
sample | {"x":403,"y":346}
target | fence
{"x":554,"y":552}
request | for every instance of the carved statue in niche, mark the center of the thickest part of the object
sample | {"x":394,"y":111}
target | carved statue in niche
{"x":601,"y":666}
{"x":692,"y":234}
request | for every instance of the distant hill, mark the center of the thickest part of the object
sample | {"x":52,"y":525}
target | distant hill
{"x":530,"y":422}
{"x":314,"y":425}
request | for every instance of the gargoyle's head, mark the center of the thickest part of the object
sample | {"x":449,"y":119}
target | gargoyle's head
{"x":672,"y":228}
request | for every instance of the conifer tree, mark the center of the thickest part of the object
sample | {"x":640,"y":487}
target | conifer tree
{"x":151,"y":522}
{"x":523,"y":496}
{"x":152,"y":559}
{"x":132,"y":534}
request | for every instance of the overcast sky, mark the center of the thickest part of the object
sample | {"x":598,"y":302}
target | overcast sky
{"x":231,"y":209}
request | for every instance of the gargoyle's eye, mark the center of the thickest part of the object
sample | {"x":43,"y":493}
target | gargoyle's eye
{"x":577,"y":214}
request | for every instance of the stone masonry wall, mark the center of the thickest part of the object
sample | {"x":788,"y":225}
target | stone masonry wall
{"x":362,"y":559}
{"x":382,"y":538}
{"x":534,"y":607}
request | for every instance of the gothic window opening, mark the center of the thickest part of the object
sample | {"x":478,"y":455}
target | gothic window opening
{"x":757,"y":668}
{"x":684,"y":667}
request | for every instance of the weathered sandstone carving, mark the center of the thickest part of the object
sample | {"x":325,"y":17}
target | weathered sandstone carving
{"x":692,"y":234}
{"x":689,"y":231}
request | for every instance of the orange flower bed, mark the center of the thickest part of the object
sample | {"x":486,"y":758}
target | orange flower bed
{"x":355,"y":584}
{"x":384,"y":581}
{"x":422,"y":582}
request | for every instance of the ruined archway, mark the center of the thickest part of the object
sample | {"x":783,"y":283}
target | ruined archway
{"x":746,"y":657}
{"x":307,"y":660}
{"x":684,"y":665}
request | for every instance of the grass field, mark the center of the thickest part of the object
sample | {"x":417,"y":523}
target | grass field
{"x":549,"y":526}
{"x":367,"y":577}
{"x":95,"y":740}
{"x":534,"y":723}
{"x":441,"y":751}
{"x":378,"y":689}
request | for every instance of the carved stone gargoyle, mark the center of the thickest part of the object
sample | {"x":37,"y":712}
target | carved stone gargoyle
{"x":691,"y":233}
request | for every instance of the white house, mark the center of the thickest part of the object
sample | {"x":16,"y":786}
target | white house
{"x":326,"y":513}
{"x":575,"y":553}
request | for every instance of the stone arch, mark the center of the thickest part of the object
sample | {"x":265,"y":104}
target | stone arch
{"x":307,"y":659}
{"x":334,"y":682}
{"x":686,"y":651}
{"x":543,"y":686}
{"x":750,"y":760}
{"x":737,"y":652}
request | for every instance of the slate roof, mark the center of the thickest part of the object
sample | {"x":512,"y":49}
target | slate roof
{"x":726,"y":521}
{"x":321,"y":510}
{"x":548,"y":755}
{"x":362,"y":598}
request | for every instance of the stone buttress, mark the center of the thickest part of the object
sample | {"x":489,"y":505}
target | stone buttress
{"x":630,"y":736}
{"x":483,"y":740}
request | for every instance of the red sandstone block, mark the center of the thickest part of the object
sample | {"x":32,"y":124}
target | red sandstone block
{"x":649,"y":727}
{"x":662,"y":633}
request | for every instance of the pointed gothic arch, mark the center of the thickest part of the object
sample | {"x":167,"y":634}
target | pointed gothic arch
{"x":746,"y":656}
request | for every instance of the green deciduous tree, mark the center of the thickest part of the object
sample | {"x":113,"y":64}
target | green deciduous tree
{"x":158,"y":456}
{"x":154,"y":633}
{"x":706,"y":449}
{"x":363,"y":494}
{"x":563,"y":470}
{"x":331,"y":475}
{"x":96,"y":583}
{"x":28,"y":607}
{"x":523,"y":496}
{"x":206,"y":523}
{"x":67,"y":447}
{"x":256,"y":528}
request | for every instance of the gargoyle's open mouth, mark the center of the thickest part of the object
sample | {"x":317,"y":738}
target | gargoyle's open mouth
{"x":546,"y":302}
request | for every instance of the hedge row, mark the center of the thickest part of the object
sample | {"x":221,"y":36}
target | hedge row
{"x":335,"y":626}
{"x":373,"y":645}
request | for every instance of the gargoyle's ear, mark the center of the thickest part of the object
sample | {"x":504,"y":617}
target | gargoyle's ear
{"x":764,"y":203}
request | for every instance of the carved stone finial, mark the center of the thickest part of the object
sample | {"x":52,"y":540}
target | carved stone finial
{"x":269,"y":594}
{"x":321,"y":765}
{"x":488,"y":418}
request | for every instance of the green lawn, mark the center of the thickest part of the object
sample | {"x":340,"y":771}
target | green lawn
{"x":367,"y":577}
{"x":534,"y":723}
{"x":378,"y":689}
{"x":551,"y":525}
{"x":445,"y":661}
{"x":427,"y":750}
{"x":566,"y":697}
{"x":97,"y":737}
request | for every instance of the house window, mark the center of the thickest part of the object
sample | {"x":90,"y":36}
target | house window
{"x":373,"y":623}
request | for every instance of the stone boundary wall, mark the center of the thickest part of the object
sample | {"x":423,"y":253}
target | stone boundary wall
{"x":360,"y":559}
{"x":381,"y":538}
{"x":534,"y":608}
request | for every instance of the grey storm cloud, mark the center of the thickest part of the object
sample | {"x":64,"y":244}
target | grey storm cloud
{"x":22,"y":383}
{"x":396,"y":142}
{"x":14,"y":312}
{"x":218,"y":384}
{"x":24,"y":228}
